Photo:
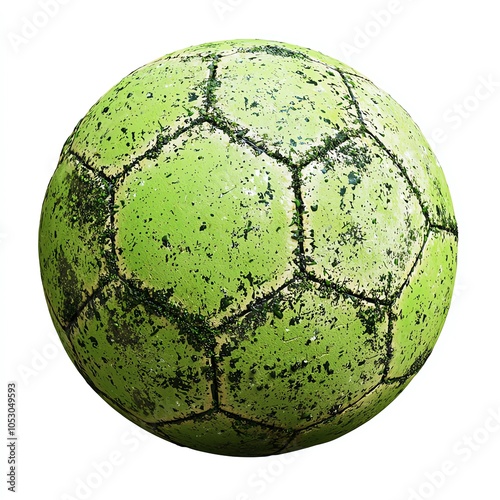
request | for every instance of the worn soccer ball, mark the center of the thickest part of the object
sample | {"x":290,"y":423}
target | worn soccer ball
{"x":247,"y":248}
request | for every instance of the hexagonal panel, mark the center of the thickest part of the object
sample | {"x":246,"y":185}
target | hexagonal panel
{"x":161,"y":97}
{"x":279,"y":49}
{"x":74,"y":237}
{"x":354,"y":416}
{"x":324,"y":59}
{"x":207,"y":220}
{"x":301,"y":356}
{"x":363,"y":225}
{"x":420,"y":311}
{"x":139,"y":360}
{"x":288,"y":103}
{"x":217,"y":432}
{"x":61,"y":330}
{"x":122,"y":411}
{"x":399,"y":133}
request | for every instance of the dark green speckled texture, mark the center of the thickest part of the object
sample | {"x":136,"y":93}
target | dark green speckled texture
{"x":248,"y":248}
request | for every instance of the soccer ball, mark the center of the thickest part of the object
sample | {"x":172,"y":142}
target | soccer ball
{"x":247,"y":248}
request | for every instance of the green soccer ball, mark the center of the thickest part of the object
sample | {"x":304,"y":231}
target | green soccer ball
{"x":247,"y":248}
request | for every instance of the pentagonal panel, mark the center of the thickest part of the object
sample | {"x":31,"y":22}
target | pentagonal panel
{"x":301,"y":356}
{"x":141,"y":361}
{"x":399,"y":133}
{"x":363,"y":225}
{"x":287,"y":103}
{"x":354,"y":416}
{"x":161,"y":97}
{"x":74,"y":237}
{"x":421,"y":310}
{"x":224,"y":434}
{"x":207,"y":220}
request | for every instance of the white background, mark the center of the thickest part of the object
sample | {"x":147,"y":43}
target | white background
{"x":440,"y":61}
